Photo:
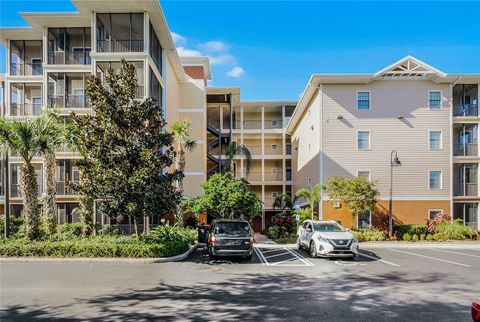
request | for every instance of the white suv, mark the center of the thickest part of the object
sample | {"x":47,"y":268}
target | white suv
{"x":326,"y":238}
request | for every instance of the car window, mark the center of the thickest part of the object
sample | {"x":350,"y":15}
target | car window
{"x":305,"y":225}
{"x":309,"y":226}
{"x":232,"y":229}
{"x":328,"y":227}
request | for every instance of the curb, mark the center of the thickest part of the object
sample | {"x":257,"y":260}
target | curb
{"x":175,"y":258}
{"x":419,"y":245}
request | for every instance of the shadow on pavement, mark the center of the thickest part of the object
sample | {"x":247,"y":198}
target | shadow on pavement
{"x":200,"y":256}
{"x":258,"y":297}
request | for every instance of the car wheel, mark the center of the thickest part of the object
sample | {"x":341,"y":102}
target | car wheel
{"x":299,"y":243}
{"x":248,"y":257}
{"x":312,"y":249}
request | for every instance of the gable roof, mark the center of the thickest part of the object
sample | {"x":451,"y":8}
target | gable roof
{"x":409,"y":67}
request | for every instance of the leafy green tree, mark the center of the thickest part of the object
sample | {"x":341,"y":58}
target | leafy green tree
{"x":233,"y":150}
{"x":21,"y":137}
{"x":359,"y":194}
{"x":304,"y":214}
{"x":51,"y":131}
{"x":311,"y":196}
{"x":226,"y":197}
{"x":283,"y":202}
{"x":128,"y":149}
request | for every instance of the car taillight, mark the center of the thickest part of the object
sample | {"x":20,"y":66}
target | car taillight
{"x":251,"y":239}
{"x":212,"y":239}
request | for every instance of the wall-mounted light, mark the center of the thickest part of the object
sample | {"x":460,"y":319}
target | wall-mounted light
{"x":400,"y":117}
{"x":339,"y":117}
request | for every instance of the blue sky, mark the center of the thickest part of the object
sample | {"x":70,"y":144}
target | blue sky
{"x":270,"y":49}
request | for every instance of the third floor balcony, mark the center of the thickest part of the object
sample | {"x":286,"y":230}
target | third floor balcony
{"x":26,"y":57}
{"x":120,"y":32}
{"x":67,"y":46}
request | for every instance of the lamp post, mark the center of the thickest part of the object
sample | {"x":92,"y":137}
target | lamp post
{"x":394,"y":162}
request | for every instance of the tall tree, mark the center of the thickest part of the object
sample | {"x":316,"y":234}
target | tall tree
{"x":311,"y":196}
{"x":227,"y":197}
{"x":181,"y":133}
{"x":359,"y":194}
{"x":51,"y":133}
{"x":233,"y":150}
{"x":20,"y":137}
{"x":128,"y":148}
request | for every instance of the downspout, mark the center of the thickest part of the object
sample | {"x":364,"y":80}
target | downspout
{"x":320,"y":175}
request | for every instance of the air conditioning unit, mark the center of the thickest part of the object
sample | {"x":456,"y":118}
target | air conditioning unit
{"x":337,"y":205}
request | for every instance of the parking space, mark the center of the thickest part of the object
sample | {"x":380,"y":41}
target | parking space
{"x":281,"y":256}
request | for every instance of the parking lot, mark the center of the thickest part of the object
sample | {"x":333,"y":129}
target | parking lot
{"x":279,"y":283}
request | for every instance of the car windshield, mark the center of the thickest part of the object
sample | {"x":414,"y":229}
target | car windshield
{"x":232,"y":229}
{"x":327,"y":227}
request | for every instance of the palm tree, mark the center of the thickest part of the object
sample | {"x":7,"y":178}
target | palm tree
{"x":311,"y":196}
{"x":181,"y":135}
{"x":21,"y":138}
{"x":233,"y":150}
{"x":51,"y":133}
{"x":283,"y":202}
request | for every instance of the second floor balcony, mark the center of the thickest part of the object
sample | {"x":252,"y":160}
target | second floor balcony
{"x":26,"y":57}
{"x":25,"y":99}
{"x":68,"y":101}
{"x":466,"y":149}
{"x":465,"y":110}
{"x":67,"y":46}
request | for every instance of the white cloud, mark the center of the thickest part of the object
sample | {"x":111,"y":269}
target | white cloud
{"x":235,"y":72}
{"x":222,"y":59}
{"x":214,"y":46}
{"x":178,"y":39}
{"x":183,"y":52}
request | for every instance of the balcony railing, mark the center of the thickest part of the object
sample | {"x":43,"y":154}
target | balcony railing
{"x":70,"y":101}
{"x":252,"y":124}
{"x":119,"y":46}
{"x":273,"y":176}
{"x":467,"y":149}
{"x":271,"y":151}
{"x":465,"y":190}
{"x":64,"y":190}
{"x":254,"y":149}
{"x":69,"y":57}
{"x":22,"y":109}
{"x":465,"y":110}
{"x":253,"y":176}
{"x":15,"y":191}
{"x":26,"y":69}
{"x":273,"y":124}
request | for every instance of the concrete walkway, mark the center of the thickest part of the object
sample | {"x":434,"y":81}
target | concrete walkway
{"x":262,"y":239}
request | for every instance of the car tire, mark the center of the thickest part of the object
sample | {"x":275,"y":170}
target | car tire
{"x":299,"y":243}
{"x":248,"y":257}
{"x":312,"y":250}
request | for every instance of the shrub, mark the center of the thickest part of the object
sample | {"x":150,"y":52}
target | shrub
{"x":369,"y":234}
{"x":163,"y":234}
{"x":411,"y":230}
{"x":437,"y":220}
{"x":287,"y":239}
{"x":454,"y":230}
{"x":16,"y":224}
{"x":108,"y":230}
{"x":415,"y":237}
{"x":429,"y":237}
{"x":272,"y":232}
{"x":422,"y":237}
{"x":407,"y":237}
{"x":68,"y":231}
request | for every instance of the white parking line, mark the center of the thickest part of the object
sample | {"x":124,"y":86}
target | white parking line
{"x":260,"y":256}
{"x":429,"y":257}
{"x":285,"y":261}
{"x":271,"y":250}
{"x":300,"y":257}
{"x":448,"y":251}
{"x":276,"y":255}
{"x":378,"y":259}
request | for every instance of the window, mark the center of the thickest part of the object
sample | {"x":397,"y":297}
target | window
{"x":435,"y":179}
{"x":363,"y":100}
{"x":434,"y":100}
{"x":274,"y":146}
{"x":274,"y":123}
{"x":274,"y":195}
{"x":433,"y":212}
{"x":435,"y":140}
{"x":364,"y":173}
{"x":364,"y":219}
{"x":309,"y":181}
{"x":363,"y":140}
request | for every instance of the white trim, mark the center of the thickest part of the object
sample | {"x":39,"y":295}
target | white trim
{"x":369,"y":140}
{"x":190,"y":110}
{"x":193,"y":173}
{"x":441,"y":179}
{"x":369,"y":174}
{"x":428,"y":99}
{"x":441,"y":140}
{"x":428,"y":212}
{"x":370,"y":220}
{"x":369,"y":100}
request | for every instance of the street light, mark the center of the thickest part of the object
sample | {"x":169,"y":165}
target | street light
{"x":394,"y":162}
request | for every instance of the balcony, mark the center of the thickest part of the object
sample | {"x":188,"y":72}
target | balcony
{"x":465,"y":190}
{"x":24,"y":109}
{"x":69,"y":58}
{"x":26,"y":69}
{"x":467,"y":149}
{"x":252,"y":124}
{"x":120,"y":32}
{"x":465,"y":110}
{"x":268,"y":176}
{"x":273,"y":124}
{"x":119,"y":46}
{"x":253,"y":176}
{"x":64,"y":189}
{"x":68,"y":101}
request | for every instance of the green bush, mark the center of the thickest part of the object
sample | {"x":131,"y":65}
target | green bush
{"x":454,"y":230}
{"x":272,"y":232}
{"x":415,"y":237}
{"x":68,"y":231}
{"x":16,"y":224}
{"x":422,"y":237}
{"x":429,"y":237}
{"x":407,"y":237}
{"x":411,"y":230}
{"x":163,"y":234}
{"x":287,"y":239}
{"x":108,"y":230}
{"x":369,"y":234}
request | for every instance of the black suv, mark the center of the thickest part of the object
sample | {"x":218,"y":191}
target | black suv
{"x":230,"y":238}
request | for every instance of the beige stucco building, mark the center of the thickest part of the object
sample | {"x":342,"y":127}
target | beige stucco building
{"x":343,"y":124}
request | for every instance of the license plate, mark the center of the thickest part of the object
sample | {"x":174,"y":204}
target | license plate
{"x":233,"y":242}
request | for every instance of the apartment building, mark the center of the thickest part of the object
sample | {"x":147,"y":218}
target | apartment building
{"x":349,"y":124}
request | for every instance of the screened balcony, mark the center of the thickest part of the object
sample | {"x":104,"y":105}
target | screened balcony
{"x":468,"y":213}
{"x":67,"y":90}
{"x":67,"y":173}
{"x":120,"y":32}
{"x":26,"y":57}
{"x":465,"y":100}
{"x":465,"y":180}
{"x":68,"y":46}
{"x":465,"y":140}
{"x":15,"y":180}
{"x":103,"y":67}
{"x":25,"y":99}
